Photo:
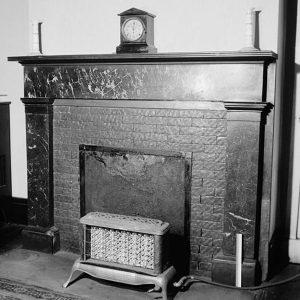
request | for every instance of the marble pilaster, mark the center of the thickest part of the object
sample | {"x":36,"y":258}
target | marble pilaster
{"x":39,"y":135}
{"x":243,"y":200}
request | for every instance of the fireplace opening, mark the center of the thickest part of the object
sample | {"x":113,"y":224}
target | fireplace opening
{"x":146,"y":183}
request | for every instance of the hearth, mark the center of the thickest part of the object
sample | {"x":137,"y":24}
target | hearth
{"x":215,"y":107}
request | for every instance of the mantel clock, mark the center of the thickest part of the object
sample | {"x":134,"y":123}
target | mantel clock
{"x":136,"y":32}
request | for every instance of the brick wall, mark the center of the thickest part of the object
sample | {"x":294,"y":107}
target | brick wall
{"x":200,"y":129}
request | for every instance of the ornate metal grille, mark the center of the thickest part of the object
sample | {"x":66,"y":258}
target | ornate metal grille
{"x":128,"y":242}
{"x":124,"y":247}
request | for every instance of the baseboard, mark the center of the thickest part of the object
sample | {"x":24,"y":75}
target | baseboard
{"x":294,"y":251}
{"x":278,"y":254}
{"x":13,"y":210}
{"x":19,"y":211}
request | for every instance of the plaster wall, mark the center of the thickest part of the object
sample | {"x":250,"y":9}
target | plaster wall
{"x":294,"y":238}
{"x":14,"y":41}
{"x":92,"y":26}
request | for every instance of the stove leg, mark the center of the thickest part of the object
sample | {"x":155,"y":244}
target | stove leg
{"x":74,"y":269}
{"x":156,"y":288}
{"x":160,"y":282}
{"x":164,"y":288}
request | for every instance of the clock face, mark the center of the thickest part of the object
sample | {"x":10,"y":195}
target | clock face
{"x":132,"y":29}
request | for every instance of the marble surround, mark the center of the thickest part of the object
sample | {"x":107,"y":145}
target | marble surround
{"x":243,"y":82}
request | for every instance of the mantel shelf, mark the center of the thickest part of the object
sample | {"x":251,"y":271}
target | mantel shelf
{"x":226,"y":56}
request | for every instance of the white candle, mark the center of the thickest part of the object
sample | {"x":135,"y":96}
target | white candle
{"x":238,"y":255}
{"x":36,"y":36}
{"x":249,"y":29}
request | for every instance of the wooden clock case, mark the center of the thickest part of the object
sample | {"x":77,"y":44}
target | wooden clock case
{"x":145,"y":44}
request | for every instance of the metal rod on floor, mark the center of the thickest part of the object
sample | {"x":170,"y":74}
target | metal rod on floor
{"x":238,"y":256}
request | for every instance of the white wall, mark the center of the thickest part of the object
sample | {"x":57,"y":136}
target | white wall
{"x":92,"y":27}
{"x":14,"y":41}
{"x":294,"y":238}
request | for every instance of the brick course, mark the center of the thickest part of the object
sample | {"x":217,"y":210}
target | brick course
{"x":202,"y":132}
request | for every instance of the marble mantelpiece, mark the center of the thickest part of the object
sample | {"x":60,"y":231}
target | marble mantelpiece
{"x":243,"y":82}
{"x":202,"y":76}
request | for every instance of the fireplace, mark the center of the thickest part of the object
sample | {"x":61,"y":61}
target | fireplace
{"x":141,"y":183}
{"x":211,"y":112}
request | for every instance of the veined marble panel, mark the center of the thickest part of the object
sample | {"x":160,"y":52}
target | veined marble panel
{"x":39,"y":170}
{"x":219,"y":81}
{"x":243,"y":186}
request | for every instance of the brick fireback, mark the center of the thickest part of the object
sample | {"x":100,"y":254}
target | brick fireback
{"x":146,"y":125}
